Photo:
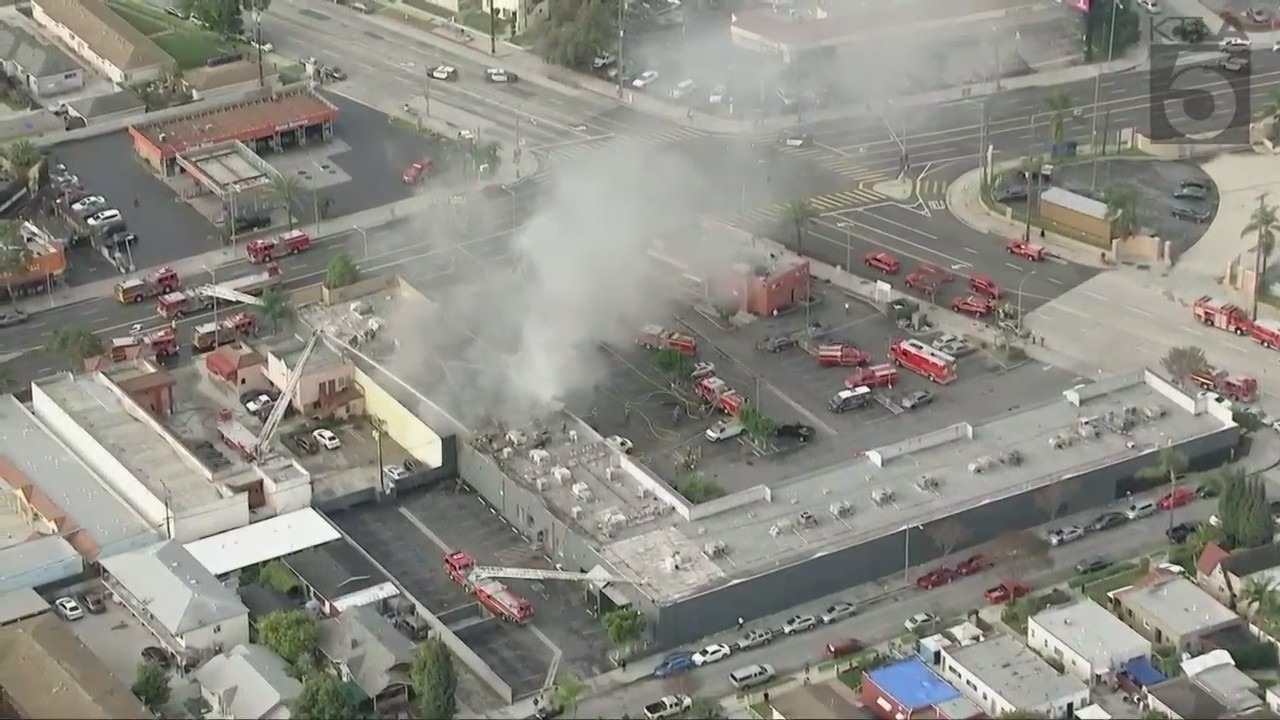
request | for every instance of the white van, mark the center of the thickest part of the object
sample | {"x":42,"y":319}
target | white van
{"x":682,"y":90}
{"x":751,"y":676}
{"x":1140,"y":509}
{"x":846,"y":400}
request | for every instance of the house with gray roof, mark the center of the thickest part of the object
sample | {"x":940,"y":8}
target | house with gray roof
{"x":42,"y":68}
{"x":178,"y":600}
{"x":1174,"y":611}
{"x":369,"y":653}
{"x":107,"y":42}
{"x":248,"y":682}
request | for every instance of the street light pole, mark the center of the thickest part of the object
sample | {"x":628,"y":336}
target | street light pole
{"x":257,"y":36}
{"x":513,"y":204}
{"x":365,"y":237}
{"x":1025,"y":278}
{"x":1097,"y":90}
{"x":213,"y":278}
{"x":1033,"y":181}
{"x":848,"y":244}
{"x":621,"y":34}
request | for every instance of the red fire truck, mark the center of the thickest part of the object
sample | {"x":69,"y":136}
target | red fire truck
{"x":177,"y":304}
{"x":1024,"y":249}
{"x":211,"y":335}
{"x":713,"y":390}
{"x":493,"y":595}
{"x":655,"y":337}
{"x":876,"y":376}
{"x":842,"y":355}
{"x":1240,"y":388}
{"x":265,"y":250}
{"x":162,"y":342}
{"x":923,"y":360}
{"x":1267,"y":333}
{"x":973,"y":305}
{"x":161,"y":281}
{"x":1222,"y":315}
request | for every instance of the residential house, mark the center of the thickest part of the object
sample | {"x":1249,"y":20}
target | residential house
{"x":103,"y":39}
{"x":230,"y":79}
{"x":327,"y":386}
{"x":369,"y":653}
{"x":100,"y":109}
{"x":1222,"y":691}
{"x":514,"y":12}
{"x":1227,"y":575}
{"x":47,"y":672}
{"x":1088,"y":641}
{"x":41,"y":68}
{"x":1173,"y":611}
{"x":248,"y":682}
{"x":1002,"y":676}
{"x":178,"y":600}
{"x":830,"y":700}
{"x":238,"y":365}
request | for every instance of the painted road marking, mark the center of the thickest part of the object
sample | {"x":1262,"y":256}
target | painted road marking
{"x":1139,"y":311}
{"x":1093,"y":294}
{"x":975,"y":252}
{"x":1055,"y":281}
{"x":1015,"y":267}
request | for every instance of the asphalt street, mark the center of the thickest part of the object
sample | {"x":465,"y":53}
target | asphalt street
{"x":881,"y":611}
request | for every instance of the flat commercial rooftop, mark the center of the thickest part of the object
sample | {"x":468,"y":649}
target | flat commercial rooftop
{"x":246,"y":121}
{"x":259,"y":542}
{"x":148,"y":456}
{"x":229,"y":165}
{"x":641,"y":523}
{"x":1021,"y":677}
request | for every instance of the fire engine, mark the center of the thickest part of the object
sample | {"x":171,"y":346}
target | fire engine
{"x":1024,"y":249}
{"x":1222,"y":315}
{"x":481,"y":581}
{"x":923,"y":360}
{"x":1240,"y":388}
{"x":164,"y":280}
{"x":157,"y":343}
{"x":1267,"y":333}
{"x":265,"y":250}
{"x":655,"y":337}
{"x":713,"y":390}
{"x":239,"y":290}
{"x":211,"y":335}
{"x":972,"y":305}
{"x":876,"y":376}
{"x":842,"y":355}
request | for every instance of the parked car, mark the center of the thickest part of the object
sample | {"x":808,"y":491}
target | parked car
{"x":777,"y":344}
{"x":103,"y":216}
{"x":1182,"y":212}
{"x":1005,"y":592}
{"x":1176,"y":499}
{"x":936,"y":578}
{"x":712,"y":654}
{"x":305,"y":443}
{"x":1190,"y":192}
{"x":973,"y":565}
{"x":795,"y":431}
{"x":1179,"y":533}
{"x":88,"y":204}
{"x":156,"y":655}
{"x":919,"y":620}
{"x":798,"y":624}
{"x":500,"y":75}
{"x":841,"y":648}
{"x":444,"y":72}
{"x":1208,"y":491}
{"x":326,"y":438}
{"x":394,"y":472}
{"x":619,"y":443}
{"x":646,"y":78}
{"x":724,"y":430}
{"x":917,"y":399}
{"x":9,"y":318}
{"x":256,"y":404}
{"x":674,"y":664}
{"x":94,"y":603}
{"x":1107,"y":520}
{"x":755,"y":638}
{"x":837,"y":612}
{"x":1062,"y":536}
{"x":1140,"y":509}
{"x":68,"y":608}
{"x":1092,"y":563}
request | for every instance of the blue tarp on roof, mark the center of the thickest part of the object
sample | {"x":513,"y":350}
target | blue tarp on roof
{"x":913,"y":684}
{"x":1143,"y":672}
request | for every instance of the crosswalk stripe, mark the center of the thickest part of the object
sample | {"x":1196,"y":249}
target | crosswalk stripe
{"x":648,"y":139}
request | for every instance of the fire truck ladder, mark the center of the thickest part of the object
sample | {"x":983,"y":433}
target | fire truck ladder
{"x":226,"y":293}
{"x":481,"y":572}
{"x":282,"y":405}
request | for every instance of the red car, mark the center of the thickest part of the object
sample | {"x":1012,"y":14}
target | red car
{"x":1006,"y":592}
{"x":985,"y":287}
{"x":1176,"y":499}
{"x":972,"y":305}
{"x":1030,"y":251}
{"x":973,"y":565}
{"x":936,"y":578}
{"x":884,"y":262}
{"x":414,"y":172}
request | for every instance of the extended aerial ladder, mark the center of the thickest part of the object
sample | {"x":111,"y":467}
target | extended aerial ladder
{"x":596,"y":575}
{"x":282,"y":405}
{"x":228,"y":294}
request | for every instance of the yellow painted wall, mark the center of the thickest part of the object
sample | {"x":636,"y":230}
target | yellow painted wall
{"x":401,"y":424}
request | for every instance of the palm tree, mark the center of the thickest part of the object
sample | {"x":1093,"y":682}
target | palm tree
{"x":283,"y":190}
{"x":75,"y":344}
{"x":21,"y":156}
{"x":1058,"y":103}
{"x":1263,"y":224}
{"x":568,"y":693}
{"x":1198,"y":540}
{"x":1183,"y":362}
{"x":1122,"y":204}
{"x":799,"y":213}
{"x":1258,"y":596}
{"x":341,"y":271}
{"x":275,"y":308}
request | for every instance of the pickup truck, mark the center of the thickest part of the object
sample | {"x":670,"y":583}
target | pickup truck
{"x":668,"y":706}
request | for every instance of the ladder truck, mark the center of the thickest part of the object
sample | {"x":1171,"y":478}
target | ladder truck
{"x":265,"y":250}
{"x":162,"y":281}
{"x":210,"y":335}
{"x":161,"y":342}
{"x":482,"y":582}
{"x":240,"y":290}
{"x":655,"y":337}
{"x":256,"y":448}
{"x":1222,"y":315}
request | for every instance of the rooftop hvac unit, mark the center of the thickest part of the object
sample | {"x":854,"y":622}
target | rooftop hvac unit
{"x":561,"y":474}
{"x":1060,"y":441}
{"x":577,"y":512}
{"x":540,"y":482}
{"x":539,"y":457}
{"x":614,"y":474}
{"x":673,"y":562}
{"x":780,"y":527}
{"x":841,"y":509}
{"x":582,"y":491}
{"x":614,"y":522}
{"x":1088,"y":427}
{"x":715,"y":549}
{"x":807,"y":519}
{"x":1153,"y":412}
{"x":643,"y":492}
{"x":505,"y":453}
{"x":929,"y":484}
{"x":882,"y":497}
{"x":982,"y":464}
{"x":1012,"y":458}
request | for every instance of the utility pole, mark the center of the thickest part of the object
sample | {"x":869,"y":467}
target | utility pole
{"x":1033,"y":177}
{"x":622,"y":4}
{"x":515,"y":155}
{"x":1097,"y":90}
{"x":493,"y":28}
{"x":426,"y":90}
{"x":985,"y":172}
{"x":1257,"y":258}
{"x":257,"y":34}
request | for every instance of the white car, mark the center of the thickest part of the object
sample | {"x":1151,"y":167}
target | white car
{"x":919,"y":620}
{"x":646,"y":79}
{"x":943,"y":340}
{"x":712,"y":654}
{"x":619,"y":443}
{"x":1233,"y":43}
{"x":799,"y":624}
{"x":703,"y":369}
{"x":265,"y":47}
{"x":105,"y":216}
{"x":327,"y":439}
{"x":1062,"y":536}
{"x":86,"y":203}
{"x":444,"y":72}
{"x":68,"y":608}
{"x":394,"y":472}
{"x":1150,"y":6}
{"x":724,"y":430}
{"x":1172,"y":568}
{"x":258,"y":403}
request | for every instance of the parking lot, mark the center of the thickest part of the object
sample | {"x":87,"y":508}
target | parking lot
{"x":410,"y":540}
{"x":349,"y":468}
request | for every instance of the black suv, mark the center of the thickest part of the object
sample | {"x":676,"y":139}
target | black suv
{"x":1178,"y":534}
{"x":249,"y":223}
{"x":797,"y":431}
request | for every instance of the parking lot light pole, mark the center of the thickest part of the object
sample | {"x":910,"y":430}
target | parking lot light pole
{"x":1024,"y":280}
{"x":1097,"y":91}
{"x":848,"y":244}
{"x":365,"y":237}
{"x":513,"y":204}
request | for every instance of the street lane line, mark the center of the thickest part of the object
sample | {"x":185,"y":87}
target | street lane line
{"x":1093,"y":294}
{"x":918,"y":231}
{"x":1055,"y":281}
{"x":1015,"y":267}
{"x":904,"y":241}
{"x":975,"y":252}
{"x":1139,"y":311}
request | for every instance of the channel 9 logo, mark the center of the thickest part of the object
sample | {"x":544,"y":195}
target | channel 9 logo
{"x":1194,"y":99}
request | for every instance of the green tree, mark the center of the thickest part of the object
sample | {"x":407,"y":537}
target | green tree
{"x":275,"y":308}
{"x":342,"y":271}
{"x":322,"y":698}
{"x":283,"y":191}
{"x":1198,"y":540}
{"x":799,"y":214}
{"x":1183,"y":362}
{"x":151,"y":685}
{"x":1099,"y":42}
{"x":755,"y":423}
{"x":1258,"y":597}
{"x":291,"y":634}
{"x":1243,"y":512}
{"x":279,"y":577}
{"x":1122,"y":205}
{"x":1058,"y":103}
{"x":15,"y":258}
{"x":624,"y":625}
{"x":225,"y":17}
{"x":1262,"y":225}
{"x":704,"y":708}
{"x":574,"y":31}
{"x":568,"y":693}
{"x":674,"y":363}
{"x":435,"y":680}
{"x":75,"y":345}
{"x":21,"y":156}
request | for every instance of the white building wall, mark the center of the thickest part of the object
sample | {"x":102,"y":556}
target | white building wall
{"x":197,"y":523}
{"x":97,"y":62}
{"x":100,"y":460}
{"x":286,"y":497}
{"x":69,"y":81}
{"x":990,"y":699}
{"x":1074,"y":662}
{"x":224,"y":635}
